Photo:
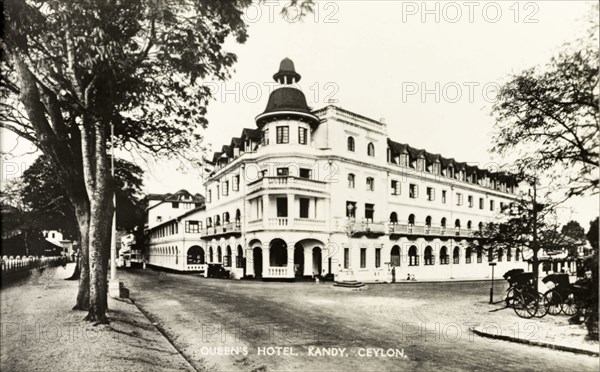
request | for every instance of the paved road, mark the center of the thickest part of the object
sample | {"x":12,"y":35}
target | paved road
{"x":424,"y":326}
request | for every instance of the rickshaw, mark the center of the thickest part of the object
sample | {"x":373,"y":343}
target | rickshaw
{"x":555,"y":297}
{"x":522,"y":296}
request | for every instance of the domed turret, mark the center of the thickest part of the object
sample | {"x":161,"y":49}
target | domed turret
{"x":286,"y":101}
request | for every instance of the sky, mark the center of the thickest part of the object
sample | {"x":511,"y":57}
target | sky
{"x":429,"y":69}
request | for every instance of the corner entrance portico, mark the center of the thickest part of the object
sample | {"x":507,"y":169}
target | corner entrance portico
{"x":285,"y":261}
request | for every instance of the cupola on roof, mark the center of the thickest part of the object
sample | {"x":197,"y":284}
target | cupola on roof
{"x":287,"y":70}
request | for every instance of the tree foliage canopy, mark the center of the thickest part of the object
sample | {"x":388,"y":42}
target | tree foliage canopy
{"x":549,"y":116}
{"x":146,"y":57}
{"x":47,"y":203}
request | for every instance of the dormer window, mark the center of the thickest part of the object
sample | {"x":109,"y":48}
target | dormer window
{"x":450,"y":172}
{"x":404,"y":160}
{"x":436,"y":168}
{"x":421,"y":164}
{"x":371,"y":149}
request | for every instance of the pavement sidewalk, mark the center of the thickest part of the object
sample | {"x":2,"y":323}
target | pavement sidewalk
{"x":551,"y":331}
{"x":40,"y":332}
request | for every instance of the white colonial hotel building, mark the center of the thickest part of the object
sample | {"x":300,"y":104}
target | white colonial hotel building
{"x":326,"y":192}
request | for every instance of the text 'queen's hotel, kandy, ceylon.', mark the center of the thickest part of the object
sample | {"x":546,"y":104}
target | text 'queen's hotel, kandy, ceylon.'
{"x":326,"y":192}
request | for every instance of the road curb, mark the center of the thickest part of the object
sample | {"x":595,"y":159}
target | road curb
{"x":535,"y":343}
{"x":160,"y":330}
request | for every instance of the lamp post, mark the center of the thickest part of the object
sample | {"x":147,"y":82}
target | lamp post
{"x":113,"y":284}
{"x":492,"y":264}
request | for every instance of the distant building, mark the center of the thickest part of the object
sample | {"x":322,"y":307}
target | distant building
{"x":327,"y":193}
{"x":56,"y":237}
{"x":163,"y":207}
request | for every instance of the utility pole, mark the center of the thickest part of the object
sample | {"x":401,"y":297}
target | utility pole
{"x":113,"y":285}
{"x":534,"y":246}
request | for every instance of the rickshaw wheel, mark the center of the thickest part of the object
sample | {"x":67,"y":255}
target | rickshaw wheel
{"x":553,"y":301}
{"x":525,"y":305}
{"x":541,"y":306}
{"x":510,"y":297}
{"x":569,"y":307}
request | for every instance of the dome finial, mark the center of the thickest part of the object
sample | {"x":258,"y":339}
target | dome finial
{"x":287,"y":73}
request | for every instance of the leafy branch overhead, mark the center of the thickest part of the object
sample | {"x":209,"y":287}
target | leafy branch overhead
{"x":550,"y":117}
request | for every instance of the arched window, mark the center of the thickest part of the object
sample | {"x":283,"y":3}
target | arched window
{"x":469,"y":224}
{"x":508,"y":254}
{"x":456,"y":255}
{"x":210,"y":254}
{"x":411,"y":219}
{"x":209,"y":222}
{"x":457,"y":223}
{"x":351,"y":180}
{"x":394,"y":218}
{"x":468,"y":254}
{"x":444,"y":258}
{"x":517,"y":254}
{"x":227,"y":262}
{"x":370,"y":184}
{"x":278,"y":253}
{"x":500,"y":254}
{"x":428,"y":221}
{"x":480,"y":226}
{"x":239,"y":258}
{"x":219,"y":254}
{"x":238,"y":217}
{"x":195,"y":255}
{"x":371,"y":149}
{"x":429,"y":257}
{"x":395,"y":256}
{"x":479,"y":255}
{"x":351,"y":146}
{"x":413,"y":257}
{"x":226,"y":217}
{"x":443,"y":223}
{"x":217,"y":220}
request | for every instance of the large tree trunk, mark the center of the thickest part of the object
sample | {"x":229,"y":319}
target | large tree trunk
{"x":99,"y":186}
{"x":83,"y":294}
{"x":100,"y":231}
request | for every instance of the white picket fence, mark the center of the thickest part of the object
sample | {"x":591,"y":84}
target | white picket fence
{"x":18,"y":264}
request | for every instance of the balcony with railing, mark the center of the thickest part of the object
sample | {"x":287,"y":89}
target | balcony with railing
{"x":278,"y":272}
{"x":400,"y":229}
{"x":287,"y":223}
{"x":227,"y":229}
{"x":286,"y":182}
{"x":366,"y":227}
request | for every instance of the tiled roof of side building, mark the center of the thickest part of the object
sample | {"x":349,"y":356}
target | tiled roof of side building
{"x":156,"y":196}
{"x":184,"y":195}
{"x":178,"y":218}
